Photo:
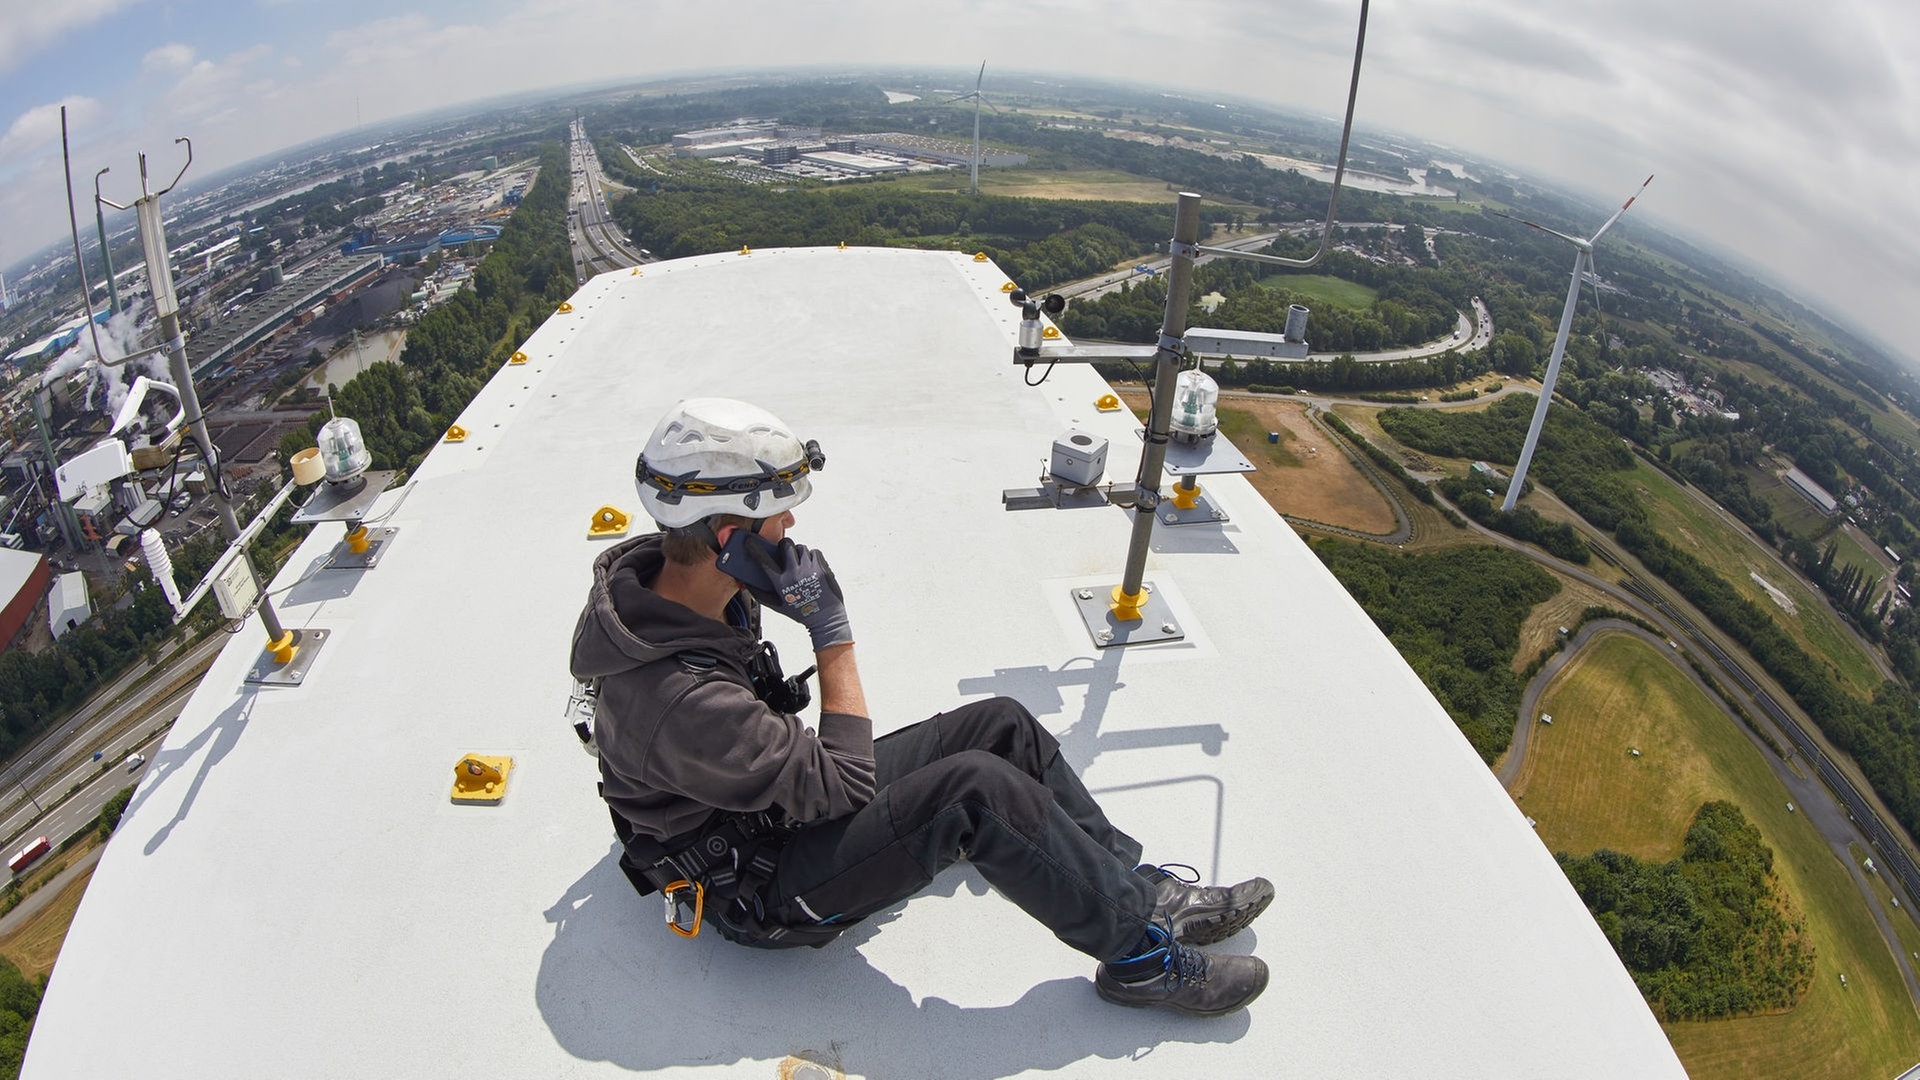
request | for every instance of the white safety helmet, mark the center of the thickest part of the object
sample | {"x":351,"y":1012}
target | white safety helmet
{"x":720,"y":456}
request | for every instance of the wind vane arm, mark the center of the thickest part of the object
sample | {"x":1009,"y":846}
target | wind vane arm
{"x":1339,"y":172}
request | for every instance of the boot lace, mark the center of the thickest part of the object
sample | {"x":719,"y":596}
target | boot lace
{"x":1190,"y":876}
{"x":1186,"y":966}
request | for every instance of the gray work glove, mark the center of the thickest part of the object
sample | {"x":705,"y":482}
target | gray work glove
{"x":792,"y":580}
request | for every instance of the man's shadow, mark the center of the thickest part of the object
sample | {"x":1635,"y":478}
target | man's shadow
{"x":1042,"y":691}
{"x":615,"y":986}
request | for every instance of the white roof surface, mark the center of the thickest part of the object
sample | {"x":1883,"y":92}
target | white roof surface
{"x":292,"y":892}
{"x":67,"y":600}
{"x":16,"y":569}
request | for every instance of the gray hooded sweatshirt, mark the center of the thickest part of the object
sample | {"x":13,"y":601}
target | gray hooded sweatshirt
{"x":680,"y":732}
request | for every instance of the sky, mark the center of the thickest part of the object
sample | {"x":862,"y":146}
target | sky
{"x":1783,"y":132}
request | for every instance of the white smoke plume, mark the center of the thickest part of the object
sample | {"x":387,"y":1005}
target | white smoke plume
{"x":119,"y":337}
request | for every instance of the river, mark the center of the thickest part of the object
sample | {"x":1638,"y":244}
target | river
{"x":374,"y":348}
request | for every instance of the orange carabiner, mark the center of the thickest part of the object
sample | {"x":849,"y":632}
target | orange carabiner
{"x":673,"y":907}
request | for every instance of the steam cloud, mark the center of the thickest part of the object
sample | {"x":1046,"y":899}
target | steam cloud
{"x":119,"y":337}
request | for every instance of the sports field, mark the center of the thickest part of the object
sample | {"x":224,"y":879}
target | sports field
{"x":1586,"y":791}
{"x":1322,"y":289}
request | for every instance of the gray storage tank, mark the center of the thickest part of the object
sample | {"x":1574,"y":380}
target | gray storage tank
{"x":1297,"y":323}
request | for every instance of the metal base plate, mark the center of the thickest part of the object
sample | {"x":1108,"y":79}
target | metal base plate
{"x":1213,"y":454}
{"x":1204,"y":512}
{"x":330,"y":503}
{"x":1157,"y":623}
{"x":343,"y":557}
{"x":268,"y":673}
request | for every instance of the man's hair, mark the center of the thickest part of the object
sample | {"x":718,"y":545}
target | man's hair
{"x":692,"y":545}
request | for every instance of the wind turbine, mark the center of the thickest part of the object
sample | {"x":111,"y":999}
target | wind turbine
{"x":978,"y":101}
{"x":1582,"y":265}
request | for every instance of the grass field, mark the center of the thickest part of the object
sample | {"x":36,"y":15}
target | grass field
{"x":1326,"y":290}
{"x":35,"y":943}
{"x":1685,"y":521}
{"x":1048,"y":184}
{"x":1586,"y":791}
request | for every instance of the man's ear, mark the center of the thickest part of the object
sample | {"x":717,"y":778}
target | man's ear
{"x":722,"y":533}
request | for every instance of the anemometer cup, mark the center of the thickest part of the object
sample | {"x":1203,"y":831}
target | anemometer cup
{"x":307,"y":467}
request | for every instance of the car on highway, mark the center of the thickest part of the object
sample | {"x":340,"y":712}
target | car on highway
{"x":134,"y":762}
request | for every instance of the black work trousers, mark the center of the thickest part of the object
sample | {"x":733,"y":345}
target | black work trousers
{"x":984,"y":783}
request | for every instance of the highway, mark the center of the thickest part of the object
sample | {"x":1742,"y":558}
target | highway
{"x":113,"y":722}
{"x":598,"y":243}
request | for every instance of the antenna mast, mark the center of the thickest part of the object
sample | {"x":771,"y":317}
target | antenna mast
{"x":1132,"y":614}
{"x":278,"y":663}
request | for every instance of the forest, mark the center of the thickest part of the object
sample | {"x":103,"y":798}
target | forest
{"x":1455,"y":617}
{"x":1707,"y":935}
{"x":1038,"y":242}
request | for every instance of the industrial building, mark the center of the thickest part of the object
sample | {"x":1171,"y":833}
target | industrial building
{"x":230,"y":341}
{"x":739,"y":130}
{"x":943,"y":151}
{"x":1809,"y":487}
{"x":24,"y":577}
{"x":774,"y":145}
{"x":856,"y":164}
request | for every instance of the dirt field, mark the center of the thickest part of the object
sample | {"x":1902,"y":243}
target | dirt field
{"x":1303,"y":475}
{"x":35,"y":944}
{"x":1561,"y":609}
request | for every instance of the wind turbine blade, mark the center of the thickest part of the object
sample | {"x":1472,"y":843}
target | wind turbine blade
{"x":1617,"y":213}
{"x":1574,"y":240}
{"x":960,"y":97}
{"x":983,"y":74}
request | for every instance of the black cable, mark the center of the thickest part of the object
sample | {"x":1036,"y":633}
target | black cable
{"x":1146,"y":380}
{"x":1028,"y":378}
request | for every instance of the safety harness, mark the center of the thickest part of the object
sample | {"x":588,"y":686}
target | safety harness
{"x":727,"y":861}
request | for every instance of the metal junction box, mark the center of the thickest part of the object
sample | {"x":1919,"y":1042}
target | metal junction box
{"x":1078,"y":458}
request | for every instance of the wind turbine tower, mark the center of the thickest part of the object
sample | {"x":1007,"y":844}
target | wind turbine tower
{"x":1582,"y":265}
{"x":978,"y":100}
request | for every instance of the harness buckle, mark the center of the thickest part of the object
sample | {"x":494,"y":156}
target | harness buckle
{"x":698,"y":903}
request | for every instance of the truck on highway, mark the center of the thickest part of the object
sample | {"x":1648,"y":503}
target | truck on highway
{"x":27,"y":854}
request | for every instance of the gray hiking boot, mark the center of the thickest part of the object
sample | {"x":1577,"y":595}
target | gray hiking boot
{"x":1183,"y":979}
{"x":1204,"y":914}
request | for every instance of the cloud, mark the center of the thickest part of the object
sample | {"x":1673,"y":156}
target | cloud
{"x":32,"y":26}
{"x":37,"y":130}
{"x":210,"y":90}
{"x":174,"y":57}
